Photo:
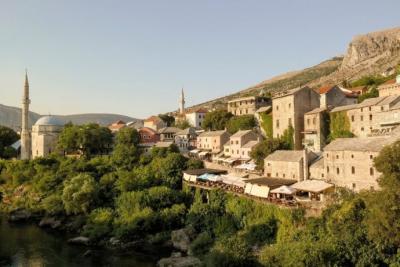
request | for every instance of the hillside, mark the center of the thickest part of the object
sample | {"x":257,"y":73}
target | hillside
{"x":367,"y":54}
{"x":11,"y":117}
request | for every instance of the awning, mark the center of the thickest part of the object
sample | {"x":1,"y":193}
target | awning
{"x":313,"y":186}
{"x":194,"y":151}
{"x":233,"y":180}
{"x":286,"y":190}
{"x":230,"y":160}
{"x":210,"y":177}
{"x":251,"y":166}
{"x":204,"y":153}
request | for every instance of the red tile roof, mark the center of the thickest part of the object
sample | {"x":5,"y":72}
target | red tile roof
{"x":153,"y":119}
{"x":391,"y":81}
{"x":324,"y":89}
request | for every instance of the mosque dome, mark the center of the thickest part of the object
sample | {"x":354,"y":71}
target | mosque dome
{"x":49,"y":121}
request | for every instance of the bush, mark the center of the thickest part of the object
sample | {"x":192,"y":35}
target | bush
{"x":99,"y":223}
{"x":201,"y":244}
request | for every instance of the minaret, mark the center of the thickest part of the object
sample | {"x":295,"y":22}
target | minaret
{"x":25,"y":134}
{"x":182,"y":103}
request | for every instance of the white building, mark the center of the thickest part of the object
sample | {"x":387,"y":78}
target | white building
{"x":45,"y":134}
{"x":196,"y":117}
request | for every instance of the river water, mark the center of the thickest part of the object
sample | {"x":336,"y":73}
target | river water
{"x":29,"y":245}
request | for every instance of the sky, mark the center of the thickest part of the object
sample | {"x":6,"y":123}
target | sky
{"x":133,"y":57}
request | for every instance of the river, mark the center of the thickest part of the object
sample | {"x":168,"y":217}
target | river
{"x":28,"y":245}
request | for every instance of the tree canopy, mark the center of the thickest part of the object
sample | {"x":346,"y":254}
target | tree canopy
{"x":245,"y":122}
{"x":216,"y":120}
{"x":7,"y":137}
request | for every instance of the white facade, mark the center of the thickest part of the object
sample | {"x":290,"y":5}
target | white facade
{"x":196,"y":118}
{"x":45,"y":134}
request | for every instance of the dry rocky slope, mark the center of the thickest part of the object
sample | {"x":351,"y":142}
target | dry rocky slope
{"x":368,"y":54}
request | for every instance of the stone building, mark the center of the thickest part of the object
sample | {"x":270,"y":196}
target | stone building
{"x":186,"y":139}
{"x":212,"y":141}
{"x":168,"y":133}
{"x":247,"y":105}
{"x":391,"y":87}
{"x":288,"y":164}
{"x":148,"y":138}
{"x":315,"y":129}
{"x":334,"y":96}
{"x":240,"y":144}
{"x":196,"y":117}
{"x":349,"y":162}
{"x":45,"y":134}
{"x":155,"y":123}
{"x":289,"y":107}
{"x":116,"y":126}
{"x":367,"y":117}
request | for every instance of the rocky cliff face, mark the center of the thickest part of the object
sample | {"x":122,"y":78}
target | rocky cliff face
{"x":372,"y":48}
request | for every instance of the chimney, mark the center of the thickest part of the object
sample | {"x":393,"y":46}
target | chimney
{"x":305,"y":164}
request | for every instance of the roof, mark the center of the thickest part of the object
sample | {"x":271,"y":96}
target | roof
{"x":187,"y":131}
{"x":204,"y":171}
{"x":316,"y":110}
{"x":384,"y":100}
{"x":169,"y":130}
{"x":270,"y":182}
{"x":212,"y":133}
{"x":49,"y":121}
{"x":164,"y":144}
{"x":318,"y":163}
{"x":117,"y":125}
{"x":242,"y":99}
{"x":314,"y":186}
{"x":389,"y":82}
{"x":284,"y":189}
{"x":289,"y":92}
{"x":200,"y":110}
{"x":325,"y":89}
{"x":264,"y":109}
{"x":241,"y":133}
{"x":372,"y":144}
{"x":153,"y":119}
{"x":250,"y":144}
{"x":147,"y":129}
{"x":286,"y":155}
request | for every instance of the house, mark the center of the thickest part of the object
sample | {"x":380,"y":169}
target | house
{"x":148,"y":138}
{"x":212,"y":141}
{"x":247,"y":105}
{"x":288,"y":164}
{"x":391,"y":87}
{"x":240,"y":145}
{"x":370,"y":116}
{"x":196,"y":117}
{"x":186,"y":139}
{"x":349,"y":162}
{"x":154,"y":122}
{"x":168,"y":133}
{"x":334,"y":96}
{"x":316,"y":129}
{"x":135,"y":124}
{"x":116,"y":126}
{"x":289,"y":108}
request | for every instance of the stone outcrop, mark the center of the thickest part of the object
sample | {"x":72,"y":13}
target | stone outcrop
{"x":19,"y":215}
{"x":181,"y":238}
{"x":50,"y":222}
{"x":176,"y":260}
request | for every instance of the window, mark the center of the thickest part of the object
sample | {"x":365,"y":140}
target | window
{"x":353,"y":170}
{"x":370,"y":117}
{"x":327,"y":155}
{"x":337,"y":156}
{"x":308,"y":121}
{"x":371,"y":157}
{"x":362,"y":129}
{"x":361,"y":109}
{"x":268,"y":164}
{"x":382,"y":108}
{"x":352,"y":117}
{"x":371,"y":171}
{"x":370,"y":108}
{"x":237,"y":152}
{"x":353,"y":185}
{"x":313,"y":121}
{"x":327,"y":169}
{"x":337,"y":171}
{"x":277,"y":175}
{"x":277,"y":107}
{"x":231,"y":142}
{"x":237,"y":142}
{"x":352,"y":156}
{"x":361,"y":118}
{"x":290,"y":105}
{"x":277,"y":123}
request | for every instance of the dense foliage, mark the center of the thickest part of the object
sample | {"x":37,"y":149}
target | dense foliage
{"x":7,"y":137}
{"x":182,"y":124}
{"x":245,"y":122}
{"x":263,"y":149}
{"x":339,"y":126}
{"x":266,"y":124}
{"x":143,"y":198}
{"x":216,"y":120}
{"x":373,"y":92}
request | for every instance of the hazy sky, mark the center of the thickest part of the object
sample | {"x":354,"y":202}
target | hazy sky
{"x":133,"y":57}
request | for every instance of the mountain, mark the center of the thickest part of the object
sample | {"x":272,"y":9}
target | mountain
{"x":368,"y":54}
{"x":11,"y":117}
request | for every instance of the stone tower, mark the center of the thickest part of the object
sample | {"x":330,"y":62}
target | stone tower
{"x":182,"y":103}
{"x":25,"y":134}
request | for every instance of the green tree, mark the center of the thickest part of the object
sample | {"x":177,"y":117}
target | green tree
{"x":168,"y":119}
{"x":79,"y":194}
{"x":263,"y":149}
{"x":339,"y":126}
{"x":7,"y":137}
{"x":245,"y":122}
{"x":372,"y":93}
{"x":287,"y":138}
{"x":216,"y":120}
{"x":99,"y":223}
{"x":182,"y":124}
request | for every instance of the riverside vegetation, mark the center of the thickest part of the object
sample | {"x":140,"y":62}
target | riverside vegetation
{"x":128,"y":196}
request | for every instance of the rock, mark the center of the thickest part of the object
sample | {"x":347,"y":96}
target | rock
{"x":88,"y":253}
{"x":114,"y":242}
{"x":80,"y":240}
{"x":188,"y":261}
{"x":50,"y":222}
{"x":176,"y":254}
{"x":181,"y":238}
{"x":19,"y":215}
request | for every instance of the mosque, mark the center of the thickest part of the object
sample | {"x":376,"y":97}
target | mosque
{"x":42,"y":140}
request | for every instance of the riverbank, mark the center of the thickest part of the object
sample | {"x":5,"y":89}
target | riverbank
{"x":26,"y":244}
